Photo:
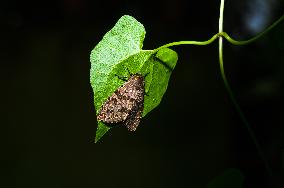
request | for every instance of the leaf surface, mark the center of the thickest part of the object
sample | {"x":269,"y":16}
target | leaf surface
{"x":120,"y":53}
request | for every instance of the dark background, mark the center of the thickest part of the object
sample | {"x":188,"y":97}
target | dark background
{"x":48,"y":120}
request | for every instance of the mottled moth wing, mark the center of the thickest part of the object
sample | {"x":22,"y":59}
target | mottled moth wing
{"x":113,"y":110}
{"x":133,"y":119}
{"x":125,"y":105}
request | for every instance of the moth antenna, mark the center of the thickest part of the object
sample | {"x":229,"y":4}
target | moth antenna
{"x":121,"y":78}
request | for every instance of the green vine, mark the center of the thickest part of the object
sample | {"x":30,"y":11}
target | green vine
{"x":220,"y":35}
{"x":120,"y":52}
{"x":226,"y":36}
{"x":227,"y":85}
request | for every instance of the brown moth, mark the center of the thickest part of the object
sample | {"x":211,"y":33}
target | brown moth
{"x":126,"y":104}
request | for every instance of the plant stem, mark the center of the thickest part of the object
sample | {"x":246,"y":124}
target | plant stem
{"x":200,"y":43}
{"x":228,"y":88}
{"x":224,"y":34}
{"x":221,"y":19}
{"x":244,"y":42}
{"x":220,"y":35}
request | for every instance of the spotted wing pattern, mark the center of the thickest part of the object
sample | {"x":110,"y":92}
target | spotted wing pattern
{"x":133,"y":119}
{"x":126,"y":104}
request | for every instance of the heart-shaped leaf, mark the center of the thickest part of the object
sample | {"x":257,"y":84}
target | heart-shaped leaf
{"x":120,"y":52}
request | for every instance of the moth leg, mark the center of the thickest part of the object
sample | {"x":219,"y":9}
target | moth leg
{"x":128,"y":71}
{"x":146,"y":74}
{"x":125,"y":78}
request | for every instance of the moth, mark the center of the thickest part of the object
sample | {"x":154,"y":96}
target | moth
{"x":125,"y":106}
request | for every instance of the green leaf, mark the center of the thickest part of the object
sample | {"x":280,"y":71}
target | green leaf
{"x":168,"y":56}
{"x":120,"y":52}
{"x":231,"y":178}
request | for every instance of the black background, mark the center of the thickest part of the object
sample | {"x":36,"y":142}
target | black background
{"x":48,"y":120}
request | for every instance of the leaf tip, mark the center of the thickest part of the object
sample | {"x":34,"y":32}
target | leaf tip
{"x":101,"y":130}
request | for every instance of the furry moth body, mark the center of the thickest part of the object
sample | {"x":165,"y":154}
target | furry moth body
{"x":126,"y":104}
